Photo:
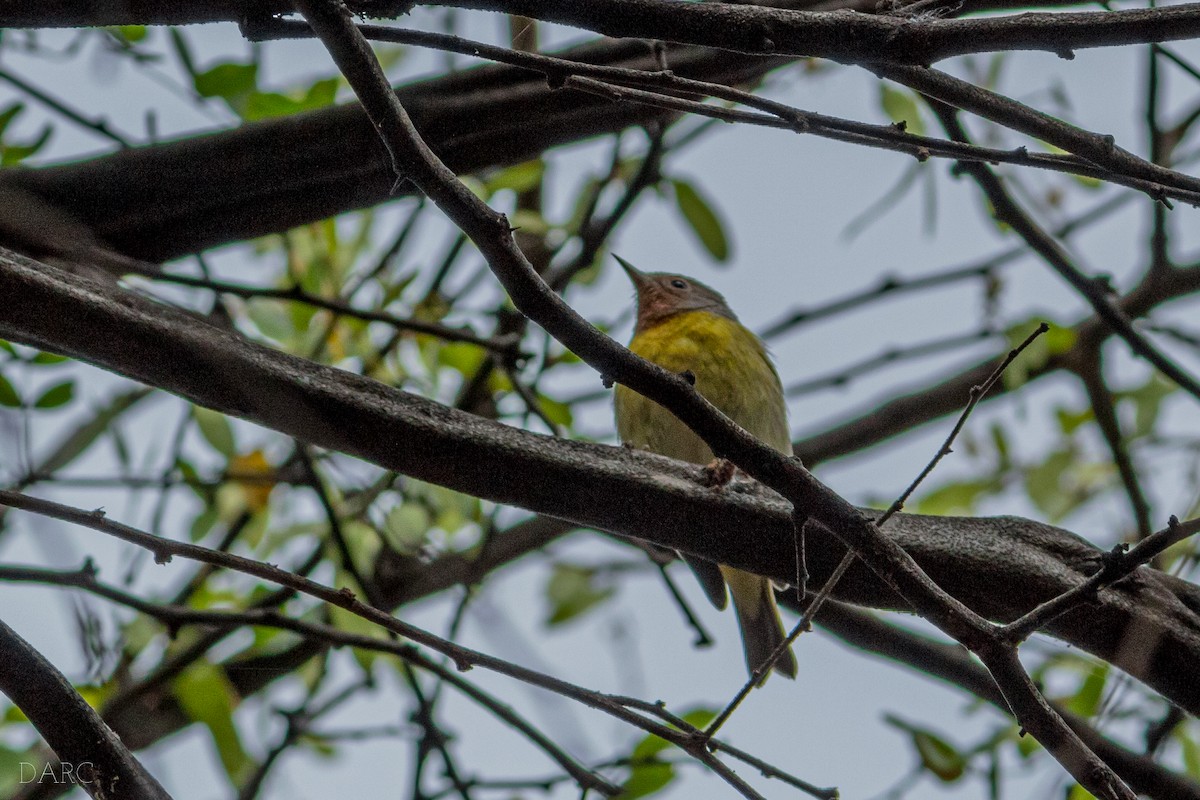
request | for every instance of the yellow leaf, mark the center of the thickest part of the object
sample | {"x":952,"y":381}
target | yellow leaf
{"x":251,"y":471}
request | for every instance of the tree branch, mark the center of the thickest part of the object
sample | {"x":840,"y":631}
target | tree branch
{"x":70,"y":726}
{"x":1001,"y":567}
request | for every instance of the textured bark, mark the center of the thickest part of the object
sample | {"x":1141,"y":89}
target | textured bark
{"x":96,"y":758}
{"x":169,"y":200}
{"x":1148,"y":624}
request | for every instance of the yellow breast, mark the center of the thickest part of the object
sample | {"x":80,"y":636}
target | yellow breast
{"x":733,"y":371}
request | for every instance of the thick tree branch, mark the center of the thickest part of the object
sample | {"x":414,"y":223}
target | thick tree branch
{"x":849,"y":36}
{"x":169,"y":200}
{"x":661,"y":87}
{"x":1000,"y":567}
{"x":103,"y":766}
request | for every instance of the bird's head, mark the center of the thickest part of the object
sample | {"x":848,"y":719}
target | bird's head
{"x":662,"y":295}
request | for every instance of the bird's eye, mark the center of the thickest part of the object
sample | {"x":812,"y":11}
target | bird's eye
{"x":679,"y":284}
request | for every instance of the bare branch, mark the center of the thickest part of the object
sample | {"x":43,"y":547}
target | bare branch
{"x":69,"y":725}
{"x":852,"y":37}
{"x":341,"y":411}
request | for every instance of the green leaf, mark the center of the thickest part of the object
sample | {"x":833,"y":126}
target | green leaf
{"x":133,"y":33}
{"x":406,"y":527}
{"x":1079,"y":793}
{"x":937,"y":755}
{"x":699,"y":717}
{"x":556,"y":411}
{"x":462,"y":357}
{"x":8,"y":394}
{"x":57,"y":395}
{"x":9,"y":113}
{"x":652,"y":745}
{"x":702,"y":218}
{"x":518,"y":178}
{"x":530,"y":222}
{"x":203,"y":523}
{"x":1147,"y":402}
{"x":321,"y":94}
{"x":1044,"y":485}
{"x":1191,"y":751}
{"x":206,"y":696}
{"x":1056,"y":341}
{"x":571,"y":591}
{"x":266,"y":105}
{"x":1070,"y":420}
{"x":1086,"y":701}
{"x":48,"y":359}
{"x":364,"y":543}
{"x":352,"y":623}
{"x":216,"y":430}
{"x":901,"y":106}
{"x":1000,"y":442}
{"x":16,"y":153}
{"x":14,"y":768}
{"x":646,"y":779}
{"x":959,"y":497}
{"x":272,"y":319}
{"x":229,"y":81}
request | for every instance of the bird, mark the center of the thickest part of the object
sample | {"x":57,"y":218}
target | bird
{"x":685,"y":326}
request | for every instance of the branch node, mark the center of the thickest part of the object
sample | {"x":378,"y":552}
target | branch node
{"x":799,"y":121}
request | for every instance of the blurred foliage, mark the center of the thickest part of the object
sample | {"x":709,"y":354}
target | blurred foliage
{"x":649,"y":769}
{"x":225,"y":483}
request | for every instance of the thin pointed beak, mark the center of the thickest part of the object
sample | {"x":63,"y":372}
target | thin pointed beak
{"x":636,"y":275}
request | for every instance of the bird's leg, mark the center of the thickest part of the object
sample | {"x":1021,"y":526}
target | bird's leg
{"x":719,"y":472}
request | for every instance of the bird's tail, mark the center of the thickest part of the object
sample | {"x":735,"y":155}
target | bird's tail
{"x":762,"y":630}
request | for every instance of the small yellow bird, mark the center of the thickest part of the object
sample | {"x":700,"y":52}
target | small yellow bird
{"x":683,"y":325}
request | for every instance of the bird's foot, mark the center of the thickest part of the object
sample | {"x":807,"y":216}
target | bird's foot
{"x":718,"y":473}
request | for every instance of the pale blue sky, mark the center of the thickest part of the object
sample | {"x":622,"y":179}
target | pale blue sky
{"x":786,"y":199}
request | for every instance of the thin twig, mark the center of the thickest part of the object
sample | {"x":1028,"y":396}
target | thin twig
{"x":413,"y":160}
{"x":1091,"y":375}
{"x":176,"y":616}
{"x":977,"y":393}
{"x":463,"y":658}
{"x":1096,"y":294}
{"x":98,"y":125}
{"x":892,"y":355}
{"x":620,"y":84}
{"x":341,"y":307}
